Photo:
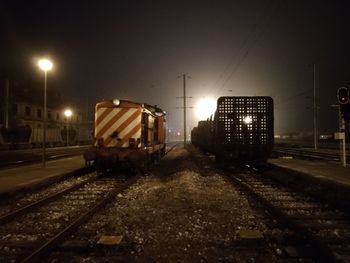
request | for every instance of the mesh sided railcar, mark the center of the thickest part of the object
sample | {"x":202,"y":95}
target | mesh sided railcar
{"x":244,"y":127}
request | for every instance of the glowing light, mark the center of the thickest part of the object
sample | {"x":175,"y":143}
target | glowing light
{"x":247,"y":120}
{"x":68,"y":113}
{"x":205,"y":107}
{"x":45,"y":64}
{"x":116,"y":102}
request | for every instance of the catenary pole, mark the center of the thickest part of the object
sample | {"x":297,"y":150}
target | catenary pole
{"x":315,"y":111}
{"x":6,"y":110}
{"x":185,"y":132}
{"x":184,"y":77}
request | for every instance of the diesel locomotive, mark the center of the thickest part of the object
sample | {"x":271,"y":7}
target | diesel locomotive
{"x":127,"y":133}
{"x":242,"y":130}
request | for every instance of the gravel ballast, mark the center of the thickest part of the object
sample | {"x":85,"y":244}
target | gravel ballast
{"x":177,"y":214}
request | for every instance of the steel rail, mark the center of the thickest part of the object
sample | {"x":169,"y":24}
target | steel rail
{"x":171,"y":148}
{"x":36,"y":159}
{"x":37,"y":254}
{"x":323,"y":252}
{"x":11,"y":215}
{"x":309,"y":154}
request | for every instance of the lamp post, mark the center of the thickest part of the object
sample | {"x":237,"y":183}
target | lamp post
{"x":45,"y":65}
{"x":68,"y":113}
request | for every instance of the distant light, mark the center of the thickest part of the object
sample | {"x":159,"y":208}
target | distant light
{"x":178,"y":133}
{"x":45,"y":64}
{"x":68,"y":113}
{"x":205,"y":107}
{"x":116,"y":102}
{"x":247,"y":120}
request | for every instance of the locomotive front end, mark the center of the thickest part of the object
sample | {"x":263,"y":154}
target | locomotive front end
{"x":117,"y":133}
{"x":127,"y":134}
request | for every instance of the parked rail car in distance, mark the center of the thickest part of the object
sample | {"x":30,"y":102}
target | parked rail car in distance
{"x":127,"y":133}
{"x":202,"y":135}
{"x":242,"y":129}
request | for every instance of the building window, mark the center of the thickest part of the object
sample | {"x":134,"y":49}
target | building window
{"x":38,"y":113}
{"x":15,"y":108}
{"x":57,"y":116}
{"x":27,"y":111}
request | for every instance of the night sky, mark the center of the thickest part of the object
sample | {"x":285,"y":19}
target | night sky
{"x":137,"y":49}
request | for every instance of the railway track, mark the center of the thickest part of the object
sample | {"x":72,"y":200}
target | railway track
{"x":323,"y":231}
{"x":29,"y":232}
{"x":171,"y":146}
{"x":19,"y":158}
{"x":24,"y":157}
{"x":309,"y":154}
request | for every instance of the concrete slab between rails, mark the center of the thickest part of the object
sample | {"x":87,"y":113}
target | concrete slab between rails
{"x":326,"y":181}
{"x":30,"y":177}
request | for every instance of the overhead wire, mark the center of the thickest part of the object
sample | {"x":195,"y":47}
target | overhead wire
{"x":266,"y":22}
{"x":243,"y":44}
{"x":294,"y":96}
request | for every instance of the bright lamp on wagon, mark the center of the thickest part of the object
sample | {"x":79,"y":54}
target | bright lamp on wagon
{"x":116,"y":102}
{"x":247,"y":120}
{"x":68,"y":113}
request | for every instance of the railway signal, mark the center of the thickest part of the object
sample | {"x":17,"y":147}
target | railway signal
{"x":344,"y":99}
{"x":343,"y":95}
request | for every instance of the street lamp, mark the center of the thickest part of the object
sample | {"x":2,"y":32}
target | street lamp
{"x":45,"y":65}
{"x":68,"y":113}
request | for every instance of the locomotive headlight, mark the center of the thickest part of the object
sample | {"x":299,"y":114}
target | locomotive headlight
{"x":247,"y":120}
{"x":116,"y":102}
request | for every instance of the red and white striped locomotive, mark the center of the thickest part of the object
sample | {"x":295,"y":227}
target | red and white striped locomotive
{"x":127,"y":132}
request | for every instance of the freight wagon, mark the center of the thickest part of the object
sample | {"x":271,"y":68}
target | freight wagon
{"x":242,"y":129}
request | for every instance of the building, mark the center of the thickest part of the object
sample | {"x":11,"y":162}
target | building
{"x":22,"y":115}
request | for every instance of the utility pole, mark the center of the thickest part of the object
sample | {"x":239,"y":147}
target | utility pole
{"x":87,"y":109}
{"x":185,"y":133}
{"x":315,"y":112}
{"x":6,"y":104}
{"x":184,"y":76}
